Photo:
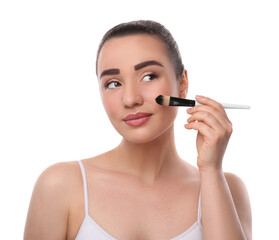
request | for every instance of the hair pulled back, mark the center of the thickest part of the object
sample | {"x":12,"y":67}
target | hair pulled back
{"x":151,"y":28}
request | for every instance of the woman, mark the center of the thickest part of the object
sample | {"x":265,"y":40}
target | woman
{"x":142,"y":189}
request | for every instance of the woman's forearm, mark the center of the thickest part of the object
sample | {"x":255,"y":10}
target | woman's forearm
{"x":220,"y":220}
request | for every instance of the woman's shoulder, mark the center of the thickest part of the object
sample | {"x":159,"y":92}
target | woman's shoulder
{"x":66,"y":174}
{"x":56,"y":178}
{"x":235,"y":183}
{"x":51,"y":200}
{"x":237,"y":188}
{"x":58,"y":174}
{"x":241,"y":200}
{"x":61,"y":177}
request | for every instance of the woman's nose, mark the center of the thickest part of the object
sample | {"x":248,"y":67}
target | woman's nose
{"x":132,"y":96}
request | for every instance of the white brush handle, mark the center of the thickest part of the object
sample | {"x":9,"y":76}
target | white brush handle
{"x":231,"y":106}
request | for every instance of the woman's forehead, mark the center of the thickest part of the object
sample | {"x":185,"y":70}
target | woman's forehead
{"x":135,"y":48}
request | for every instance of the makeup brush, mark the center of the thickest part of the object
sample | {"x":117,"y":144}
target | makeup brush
{"x":176,"y":102}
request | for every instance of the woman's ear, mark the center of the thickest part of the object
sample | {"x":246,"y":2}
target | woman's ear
{"x":183,"y":88}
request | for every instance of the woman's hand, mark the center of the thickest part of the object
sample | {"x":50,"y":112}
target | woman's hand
{"x":214,"y":131}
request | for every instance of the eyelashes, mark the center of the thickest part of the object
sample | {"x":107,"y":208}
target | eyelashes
{"x":146,"y":78}
{"x":151,"y":76}
{"x":106,"y":86}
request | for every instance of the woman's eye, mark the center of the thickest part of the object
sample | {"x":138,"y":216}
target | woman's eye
{"x":112,"y":84}
{"x":150,"y":77}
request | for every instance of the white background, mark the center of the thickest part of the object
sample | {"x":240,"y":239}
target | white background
{"x":50,"y":106}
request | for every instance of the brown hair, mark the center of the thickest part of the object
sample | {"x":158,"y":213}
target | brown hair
{"x":150,"y":28}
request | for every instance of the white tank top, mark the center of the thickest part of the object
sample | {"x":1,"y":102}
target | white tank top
{"x":90,"y":230}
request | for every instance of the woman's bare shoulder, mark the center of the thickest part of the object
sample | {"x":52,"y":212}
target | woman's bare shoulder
{"x":58,"y":175}
{"x":50,"y":202}
{"x":236,"y":184}
{"x":238,"y":188}
{"x":241,"y":200}
{"x":61,"y":177}
{"x":67,"y":174}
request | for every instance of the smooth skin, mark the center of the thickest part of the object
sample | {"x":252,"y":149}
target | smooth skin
{"x":142,"y":189}
{"x":221,"y":205}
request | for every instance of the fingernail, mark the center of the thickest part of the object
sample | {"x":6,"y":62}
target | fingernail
{"x":199,"y":97}
{"x":189,"y":110}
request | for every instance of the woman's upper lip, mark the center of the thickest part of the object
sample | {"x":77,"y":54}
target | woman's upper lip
{"x":136,"y":115}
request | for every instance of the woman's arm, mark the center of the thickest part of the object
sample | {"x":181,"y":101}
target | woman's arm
{"x":225,"y":203}
{"x":226,"y":212}
{"x":48,"y":211}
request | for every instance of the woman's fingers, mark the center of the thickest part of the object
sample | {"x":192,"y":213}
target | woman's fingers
{"x":214,"y":130}
{"x":210,"y":102}
{"x":206,"y":117}
{"x":212,"y":114}
{"x":214,"y":118}
{"x":201,"y":127}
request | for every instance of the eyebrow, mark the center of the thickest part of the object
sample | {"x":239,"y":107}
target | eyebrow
{"x":139,"y":66}
{"x":147,"y":63}
{"x":112,"y":71}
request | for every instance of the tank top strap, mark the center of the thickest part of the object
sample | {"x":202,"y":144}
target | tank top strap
{"x":199,"y":208}
{"x":84,"y":186}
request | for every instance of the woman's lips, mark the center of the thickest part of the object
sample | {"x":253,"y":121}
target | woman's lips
{"x":137,"y":119}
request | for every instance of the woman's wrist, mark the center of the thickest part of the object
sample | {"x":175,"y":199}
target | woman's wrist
{"x":211,"y":172}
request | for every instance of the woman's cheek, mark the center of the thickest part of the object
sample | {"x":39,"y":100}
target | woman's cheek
{"x":111,"y":105}
{"x":156,"y":89}
{"x":168,"y":113}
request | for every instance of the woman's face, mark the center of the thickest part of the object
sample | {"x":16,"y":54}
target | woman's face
{"x":132,"y":72}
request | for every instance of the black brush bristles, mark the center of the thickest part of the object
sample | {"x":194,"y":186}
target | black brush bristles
{"x":163,"y":100}
{"x":175,"y":101}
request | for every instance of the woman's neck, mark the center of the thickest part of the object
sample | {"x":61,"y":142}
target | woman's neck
{"x":148,"y":161}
